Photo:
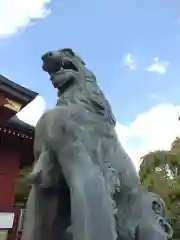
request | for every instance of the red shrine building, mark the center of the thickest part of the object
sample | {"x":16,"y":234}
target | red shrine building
{"x":16,"y":151}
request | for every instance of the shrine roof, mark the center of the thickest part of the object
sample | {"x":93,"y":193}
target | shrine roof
{"x":16,"y":90}
{"x":20,"y":125}
{"x":18,"y":95}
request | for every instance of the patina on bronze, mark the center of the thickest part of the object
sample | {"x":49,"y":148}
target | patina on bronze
{"x":84,"y":185}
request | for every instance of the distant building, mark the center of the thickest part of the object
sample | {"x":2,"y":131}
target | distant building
{"x":16,"y":151}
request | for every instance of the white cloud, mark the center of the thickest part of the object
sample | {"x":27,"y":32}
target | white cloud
{"x":151,"y":130}
{"x":158,"y":66}
{"x":33,"y":111}
{"x":129,"y":62}
{"x":16,"y":14}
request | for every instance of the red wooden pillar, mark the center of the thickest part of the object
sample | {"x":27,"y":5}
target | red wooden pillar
{"x":9,"y":170}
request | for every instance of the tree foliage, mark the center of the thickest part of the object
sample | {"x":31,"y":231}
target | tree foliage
{"x":21,"y":188}
{"x":160,"y":173}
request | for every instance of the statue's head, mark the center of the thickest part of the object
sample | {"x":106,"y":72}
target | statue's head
{"x":67,"y":69}
{"x":63,"y":66}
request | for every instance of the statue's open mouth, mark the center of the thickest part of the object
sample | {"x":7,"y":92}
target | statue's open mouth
{"x":68,"y":65}
{"x":59,"y":67}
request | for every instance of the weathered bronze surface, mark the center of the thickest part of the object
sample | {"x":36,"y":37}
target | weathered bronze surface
{"x":84,"y":185}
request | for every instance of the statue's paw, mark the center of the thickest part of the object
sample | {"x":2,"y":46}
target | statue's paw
{"x":36,"y":179}
{"x":33,"y":178}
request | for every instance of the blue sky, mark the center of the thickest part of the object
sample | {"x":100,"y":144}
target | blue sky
{"x":133,"y":47}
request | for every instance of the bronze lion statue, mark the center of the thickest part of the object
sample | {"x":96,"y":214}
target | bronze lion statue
{"x":84,"y":185}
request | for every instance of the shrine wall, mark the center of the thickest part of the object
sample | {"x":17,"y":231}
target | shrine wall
{"x":9,"y":170}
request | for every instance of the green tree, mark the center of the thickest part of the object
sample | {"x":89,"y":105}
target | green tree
{"x":21,"y":188}
{"x":160,"y":173}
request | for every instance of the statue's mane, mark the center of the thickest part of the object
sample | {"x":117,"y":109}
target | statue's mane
{"x":98,"y":99}
{"x":81,"y":87}
{"x":92,"y":97}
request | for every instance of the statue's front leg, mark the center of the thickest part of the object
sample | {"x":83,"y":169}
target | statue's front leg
{"x":91,"y":212}
{"x":47,"y":214}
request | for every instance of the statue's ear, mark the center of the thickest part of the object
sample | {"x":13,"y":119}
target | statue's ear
{"x":73,"y":54}
{"x":68,"y":50}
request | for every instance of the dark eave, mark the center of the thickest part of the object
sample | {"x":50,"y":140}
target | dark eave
{"x":18,"y":125}
{"x":17,"y":91}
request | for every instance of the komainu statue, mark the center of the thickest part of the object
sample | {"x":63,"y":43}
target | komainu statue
{"x":84,"y":185}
